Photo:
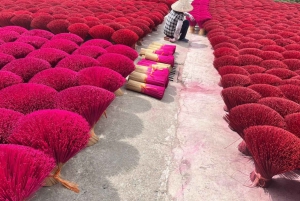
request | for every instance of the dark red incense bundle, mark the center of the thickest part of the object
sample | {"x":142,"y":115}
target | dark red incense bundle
{"x":88,"y":101}
{"x":251,"y":51}
{"x":117,"y":62}
{"x":58,"y":133}
{"x":252,"y":114}
{"x":79,"y":29}
{"x":291,"y":92}
{"x":51,"y":55}
{"x":58,"y":26}
{"x":56,"y":78}
{"x":281,"y":73}
{"x":68,"y":36}
{"x":266,"y":90}
{"x":293,"y":81}
{"x":22,"y":20}
{"x":292,"y":64}
{"x":41,"y":21}
{"x":16,"y":49}
{"x":275,"y":48}
{"x":61,"y":44}
{"x":225,"y":51}
{"x":26,"y":98}
{"x":35,"y":41}
{"x":148,"y":89}
{"x":271,"y":55}
{"x":231,"y":80}
{"x":97,"y":42}
{"x":225,"y":61}
{"x":281,"y":105}
{"x":125,"y":37}
{"x":254,"y":69}
{"x":234,"y":96}
{"x":39,"y":32}
{"x":101,"y":77}
{"x":27,"y":67}
{"x":77,"y":62}
{"x":292,"y":123}
{"x":263,"y":78}
{"x":274,"y":151}
{"x":124,"y":50}
{"x":101,"y":32}
{"x":22,"y":171}
{"x":90,"y":51}
{"x":8,"y":120}
{"x":8,"y":78}
{"x":232,"y":70}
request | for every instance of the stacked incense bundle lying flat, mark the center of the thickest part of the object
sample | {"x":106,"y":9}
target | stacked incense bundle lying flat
{"x":151,"y":76}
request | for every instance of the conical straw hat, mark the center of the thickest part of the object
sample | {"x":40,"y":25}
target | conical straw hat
{"x":182,"y":6}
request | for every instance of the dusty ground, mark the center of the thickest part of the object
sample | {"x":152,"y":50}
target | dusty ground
{"x":176,"y":149}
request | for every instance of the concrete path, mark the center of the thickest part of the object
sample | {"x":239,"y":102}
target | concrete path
{"x":176,"y":149}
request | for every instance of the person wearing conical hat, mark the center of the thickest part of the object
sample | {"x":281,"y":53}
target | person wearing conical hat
{"x":176,"y":26}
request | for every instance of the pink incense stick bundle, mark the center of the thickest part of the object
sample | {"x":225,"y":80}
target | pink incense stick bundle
{"x":163,"y":52}
{"x":160,"y":58}
{"x":148,"y":89}
{"x":148,"y":79}
{"x":164,"y":46}
{"x":158,"y":52}
{"x":22,"y":171}
{"x":154,"y":72}
{"x":166,"y":49}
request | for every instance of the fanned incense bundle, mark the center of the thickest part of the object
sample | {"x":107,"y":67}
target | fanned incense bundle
{"x":22,"y":171}
{"x":102,"y":77}
{"x":274,"y":151}
{"x":88,"y":101}
{"x":58,"y":133}
{"x":148,"y":89}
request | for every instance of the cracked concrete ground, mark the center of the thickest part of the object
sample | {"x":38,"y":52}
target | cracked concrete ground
{"x":175,"y":149}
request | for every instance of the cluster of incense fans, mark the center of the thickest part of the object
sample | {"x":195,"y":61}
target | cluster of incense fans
{"x":200,"y":13}
{"x":61,"y":66}
{"x":151,"y":75}
{"x":121,"y":22}
{"x":256,"y":48}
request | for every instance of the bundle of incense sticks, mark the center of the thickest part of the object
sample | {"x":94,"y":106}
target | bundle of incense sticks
{"x":148,"y":89}
{"x":151,"y":74}
{"x":156,"y":51}
{"x":153,"y":64}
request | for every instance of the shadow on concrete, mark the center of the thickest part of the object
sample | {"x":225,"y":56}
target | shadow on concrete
{"x":284,"y":188}
{"x":129,"y":102}
{"x":89,"y":170}
{"x":119,"y":125}
{"x":170,"y":92}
